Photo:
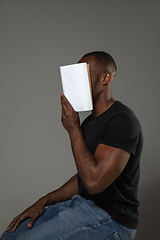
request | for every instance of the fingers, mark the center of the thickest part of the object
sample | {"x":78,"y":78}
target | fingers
{"x":63,"y":98}
{"x":32,"y":221}
{"x":16,"y":222}
{"x":70,"y":118}
{"x":65,"y":103}
{"x":67,"y":108}
{"x":21,"y":218}
{"x":33,"y":212}
{"x":12,"y":223}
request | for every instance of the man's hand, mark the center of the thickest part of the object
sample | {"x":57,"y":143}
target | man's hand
{"x":70,"y":118}
{"x":65,"y":192}
{"x":33,"y":212}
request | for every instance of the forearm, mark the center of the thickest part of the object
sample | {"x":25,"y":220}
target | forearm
{"x":85,"y":162}
{"x":66,"y":192}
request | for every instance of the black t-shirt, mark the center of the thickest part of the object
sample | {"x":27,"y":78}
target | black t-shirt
{"x":117,"y":127}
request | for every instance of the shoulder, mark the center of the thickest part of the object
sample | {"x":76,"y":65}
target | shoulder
{"x":125,"y":117}
{"x":123,"y":130}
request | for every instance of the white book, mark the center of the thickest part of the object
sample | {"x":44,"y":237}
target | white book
{"x":76,"y":85}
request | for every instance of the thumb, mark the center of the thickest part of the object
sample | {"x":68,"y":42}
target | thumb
{"x":31,"y":222}
{"x":30,"y":225}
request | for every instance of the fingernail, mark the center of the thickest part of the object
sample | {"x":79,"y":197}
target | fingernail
{"x":29,"y":225}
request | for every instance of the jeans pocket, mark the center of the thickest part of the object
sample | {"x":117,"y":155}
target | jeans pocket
{"x":114,"y":237}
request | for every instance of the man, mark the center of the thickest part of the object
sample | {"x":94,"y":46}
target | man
{"x":100,"y":201}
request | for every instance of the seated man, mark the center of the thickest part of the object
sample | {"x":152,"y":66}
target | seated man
{"x":100,"y":201}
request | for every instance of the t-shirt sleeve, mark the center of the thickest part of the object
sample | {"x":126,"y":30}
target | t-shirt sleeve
{"x":122,"y":132}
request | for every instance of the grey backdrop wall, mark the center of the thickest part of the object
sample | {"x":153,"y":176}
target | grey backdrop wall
{"x":36,"y":37}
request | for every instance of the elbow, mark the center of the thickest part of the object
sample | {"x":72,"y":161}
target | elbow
{"x":92,"y":191}
{"x":97,"y":186}
{"x":93,"y":188}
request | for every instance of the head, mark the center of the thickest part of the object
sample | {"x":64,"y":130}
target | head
{"x":103,"y":70}
{"x":104,"y":60}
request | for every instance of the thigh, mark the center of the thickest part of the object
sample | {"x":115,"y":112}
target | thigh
{"x":92,"y":222}
{"x":76,"y":220}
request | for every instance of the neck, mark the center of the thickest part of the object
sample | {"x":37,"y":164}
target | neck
{"x":101,"y":105}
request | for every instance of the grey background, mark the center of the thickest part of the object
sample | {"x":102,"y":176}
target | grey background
{"x":36,"y":37}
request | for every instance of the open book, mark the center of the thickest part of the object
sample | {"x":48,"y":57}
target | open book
{"x":76,"y":86}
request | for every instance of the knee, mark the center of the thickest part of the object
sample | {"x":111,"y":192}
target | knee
{"x":6,"y":236}
{"x":3,"y":237}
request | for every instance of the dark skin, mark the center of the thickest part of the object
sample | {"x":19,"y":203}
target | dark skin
{"x":97,"y":172}
{"x":66,"y":192}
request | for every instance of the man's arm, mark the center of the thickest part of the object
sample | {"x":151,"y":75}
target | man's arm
{"x":99,"y":171}
{"x":66,"y":192}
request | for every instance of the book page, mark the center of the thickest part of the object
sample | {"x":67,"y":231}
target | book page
{"x":76,"y":86}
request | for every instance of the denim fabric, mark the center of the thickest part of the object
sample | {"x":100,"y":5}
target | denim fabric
{"x":76,"y":219}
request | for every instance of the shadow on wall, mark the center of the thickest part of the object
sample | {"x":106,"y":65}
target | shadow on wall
{"x":149,"y":197}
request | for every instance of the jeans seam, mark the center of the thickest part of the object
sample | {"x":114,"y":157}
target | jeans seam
{"x":114,"y":236}
{"x":71,"y":233}
{"x":91,"y":226}
{"x":73,"y":202}
{"x":97,"y":224}
{"x":127,"y":231}
{"x":101,"y":211}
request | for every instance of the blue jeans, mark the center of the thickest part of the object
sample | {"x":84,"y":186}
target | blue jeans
{"x":76,"y":219}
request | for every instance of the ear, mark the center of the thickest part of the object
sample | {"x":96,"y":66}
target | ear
{"x":107,"y":78}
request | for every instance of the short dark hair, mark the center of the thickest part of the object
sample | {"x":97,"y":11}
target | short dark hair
{"x":103,"y":58}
